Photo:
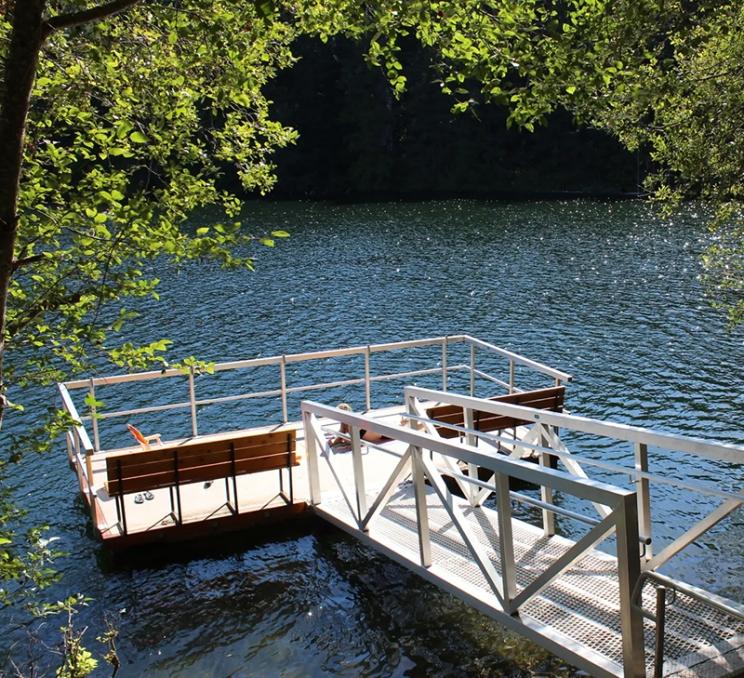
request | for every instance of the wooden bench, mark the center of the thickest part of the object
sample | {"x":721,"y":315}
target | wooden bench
{"x":541,"y":399}
{"x":201,"y":460}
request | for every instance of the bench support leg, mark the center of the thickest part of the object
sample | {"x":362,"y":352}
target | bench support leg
{"x":282,"y":493}
{"x":232,"y":507}
{"x":122,"y":515}
{"x":178,"y":489}
{"x":228,"y":501}
{"x":178,"y":502}
{"x":172,"y":504}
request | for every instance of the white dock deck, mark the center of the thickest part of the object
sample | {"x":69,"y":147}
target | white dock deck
{"x":257,"y":493}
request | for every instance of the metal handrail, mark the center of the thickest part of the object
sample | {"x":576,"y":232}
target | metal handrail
{"x":626,"y":432}
{"x":284,"y":390}
{"x":728,"y":607}
{"x":593,"y":490}
{"x":332,"y":353}
{"x":548,"y":422}
{"x":270,"y":393}
{"x":634,"y":474}
{"x":79,"y":430}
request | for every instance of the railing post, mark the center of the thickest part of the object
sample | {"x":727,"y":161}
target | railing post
{"x":283,"y":386}
{"x":546,"y":493}
{"x":445,"y":376}
{"x":311,"y":449}
{"x":660,"y":631}
{"x":422,"y":514}
{"x":470,"y":439}
{"x":68,"y":441}
{"x":367,"y":382}
{"x":192,"y":403}
{"x":472,"y":370}
{"x":506,"y":541}
{"x":89,"y":470}
{"x":511,"y":375}
{"x":629,"y":571}
{"x":359,"y":486}
{"x":93,"y":418}
{"x":644,"y":497}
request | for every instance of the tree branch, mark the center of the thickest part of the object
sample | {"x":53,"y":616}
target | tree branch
{"x":87,"y":15}
{"x":23,"y":261}
{"x":42,"y":306}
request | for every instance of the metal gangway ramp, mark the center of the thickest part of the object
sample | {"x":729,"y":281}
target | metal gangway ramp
{"x":610,"y":614}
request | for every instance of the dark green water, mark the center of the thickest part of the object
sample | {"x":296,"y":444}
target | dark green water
{"x":602,"y":290}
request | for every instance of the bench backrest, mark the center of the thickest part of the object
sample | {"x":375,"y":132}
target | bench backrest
{"x":200,"y":461}
{"x":541,"y":399}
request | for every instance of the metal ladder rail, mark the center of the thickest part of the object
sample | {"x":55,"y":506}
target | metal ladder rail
{"x":727,"y":607}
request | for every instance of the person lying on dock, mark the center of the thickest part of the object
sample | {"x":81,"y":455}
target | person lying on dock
{"x":344,"y":437}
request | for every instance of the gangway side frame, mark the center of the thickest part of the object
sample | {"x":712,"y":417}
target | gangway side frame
{"x":545,"y":428}
{"x":641,"y":438}
{"x":622,"y":520}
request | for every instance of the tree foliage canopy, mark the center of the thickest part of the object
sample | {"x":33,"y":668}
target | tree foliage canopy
{"x":135,"y":119}
{"x":131,"y":125}
{"x":121,"y":119}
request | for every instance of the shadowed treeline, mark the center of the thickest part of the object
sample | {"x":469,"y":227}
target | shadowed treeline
{"x":356,"y":140}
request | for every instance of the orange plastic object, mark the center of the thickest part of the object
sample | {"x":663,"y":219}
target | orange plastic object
{"x":138,"y":435}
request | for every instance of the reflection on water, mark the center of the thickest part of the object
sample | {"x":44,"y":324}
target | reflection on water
{"x":601,"y":290}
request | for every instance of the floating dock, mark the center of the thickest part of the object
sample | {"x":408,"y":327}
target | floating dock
{"x":429,"y":482}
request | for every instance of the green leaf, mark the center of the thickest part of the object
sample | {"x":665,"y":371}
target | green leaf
{"x":138,"y":138}
{"x":265,"y":8}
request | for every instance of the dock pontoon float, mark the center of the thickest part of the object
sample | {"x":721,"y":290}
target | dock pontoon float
{"x":571,"y":562}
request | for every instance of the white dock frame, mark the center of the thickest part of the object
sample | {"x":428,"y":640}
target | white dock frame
{"x":507,"y":594}
{"x":84,"y":445}
{"x":622,"y":513}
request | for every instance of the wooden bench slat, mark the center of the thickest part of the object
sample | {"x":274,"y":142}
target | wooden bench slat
{"x":209,"y":447}
{"x":167,"y":478}
{"x":139,"y":471}
{"x":169,"y":465}
{"x":139,"y":463}
{"x":544,"y":399}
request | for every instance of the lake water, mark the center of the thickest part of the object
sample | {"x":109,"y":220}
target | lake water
{"x":605,"y":291}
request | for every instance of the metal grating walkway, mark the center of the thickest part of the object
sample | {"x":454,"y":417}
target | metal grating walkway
{"x":579,"y":612}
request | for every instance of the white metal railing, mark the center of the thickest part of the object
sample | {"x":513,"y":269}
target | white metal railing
{"x":82,"y":442}
{"x":620,"y":517}
{"x":78,"y":443}
{"x":545,"y":441}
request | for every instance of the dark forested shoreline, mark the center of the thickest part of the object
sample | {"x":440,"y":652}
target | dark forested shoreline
{"x":357,"y":141}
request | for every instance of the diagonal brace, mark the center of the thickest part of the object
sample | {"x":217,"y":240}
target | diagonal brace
{"x":572,"y":466}
{"x":458,"y":519}
{"x":699,"y":528}
{"x":400,"y":469}
{"x":597,"y":534}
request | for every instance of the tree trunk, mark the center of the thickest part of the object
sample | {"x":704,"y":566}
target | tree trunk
{"x":26,"y":39}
